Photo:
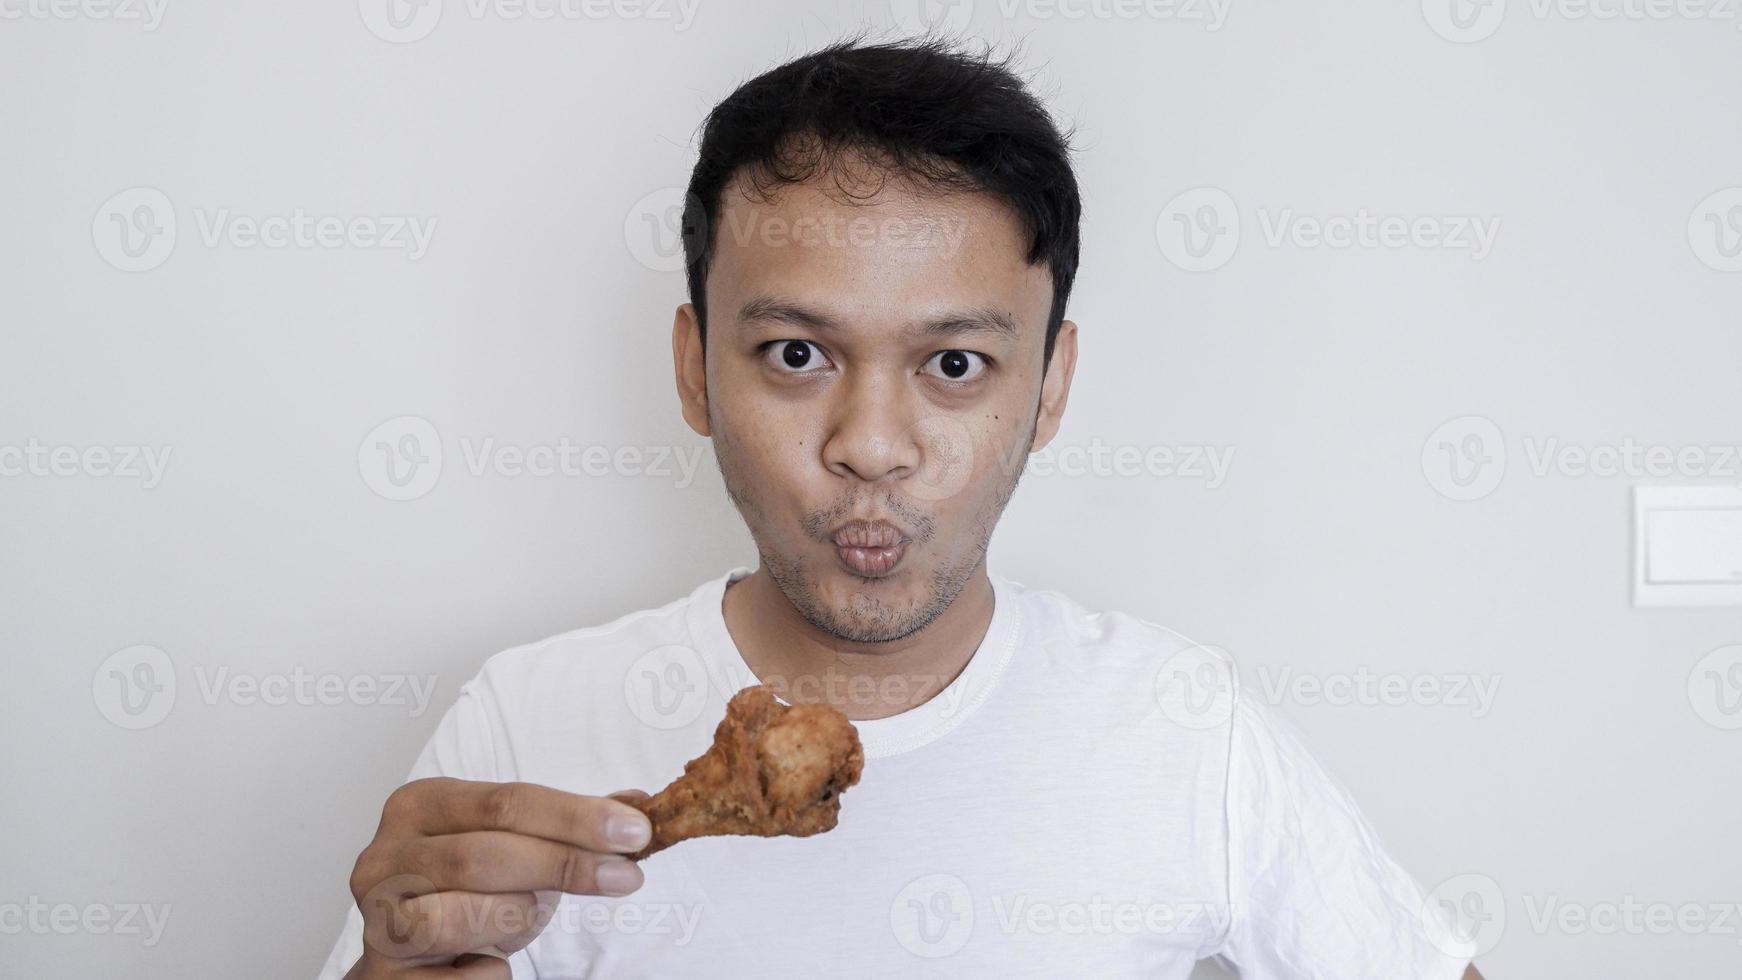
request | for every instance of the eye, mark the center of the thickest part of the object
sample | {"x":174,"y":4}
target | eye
{"x":959,"y":366}
{"x":793,"y":356}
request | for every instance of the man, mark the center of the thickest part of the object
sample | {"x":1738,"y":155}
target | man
{"x":881,"y":241}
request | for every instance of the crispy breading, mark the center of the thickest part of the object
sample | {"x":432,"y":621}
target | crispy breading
{"x":773,"y":770}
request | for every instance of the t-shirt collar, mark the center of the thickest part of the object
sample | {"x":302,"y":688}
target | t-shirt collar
{"x":918,"y":726}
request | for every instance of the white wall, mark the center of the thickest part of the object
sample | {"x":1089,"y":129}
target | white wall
{"x":1593,"y":779}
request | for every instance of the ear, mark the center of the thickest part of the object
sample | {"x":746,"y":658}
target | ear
{"x":1056,"y":389}
{"x":690,"y":368}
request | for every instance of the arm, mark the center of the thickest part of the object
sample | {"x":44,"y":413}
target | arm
{"x":455,"y":866}
{"x":461,"y":851}
{"x":1312,"y":887}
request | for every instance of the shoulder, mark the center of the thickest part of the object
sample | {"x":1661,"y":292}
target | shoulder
{"x":563,"y":710}
{"x":1131,"y":666}
{"x":1093,"y":638}
{"x":591,"y":661}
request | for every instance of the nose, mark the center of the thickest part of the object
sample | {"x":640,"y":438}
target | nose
{"x":871,"y":431}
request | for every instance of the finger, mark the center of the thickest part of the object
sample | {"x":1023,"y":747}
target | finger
{"x":468,"y":967}
{"x":630,"y":796}
{"x":453,"y":806}
{"x":444,"y":925}
{"x":477,"y":966}
{"x":497,"y":861}
{"x":549,"y":898}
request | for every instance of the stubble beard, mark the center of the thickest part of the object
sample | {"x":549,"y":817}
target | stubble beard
{"x":867,"y":618}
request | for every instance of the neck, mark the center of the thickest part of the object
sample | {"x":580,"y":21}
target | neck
{"x":866,"y":681}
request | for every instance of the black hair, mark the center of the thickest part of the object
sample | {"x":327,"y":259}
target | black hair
{"x":920,"y":108}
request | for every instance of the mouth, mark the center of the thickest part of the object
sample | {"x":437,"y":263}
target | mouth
{"x":870,"y":549}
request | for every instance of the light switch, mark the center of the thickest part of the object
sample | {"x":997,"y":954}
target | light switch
{"x":1687,"y":546}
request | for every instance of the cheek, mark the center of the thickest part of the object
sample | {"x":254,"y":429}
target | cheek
{"x":964,"y":462}
{"x":1000,"y":450}
{"x":770,"y":444}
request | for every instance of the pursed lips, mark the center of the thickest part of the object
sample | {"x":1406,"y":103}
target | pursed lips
{"x":870,"y":549}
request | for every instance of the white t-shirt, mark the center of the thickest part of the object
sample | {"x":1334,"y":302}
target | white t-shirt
{"x":1090,"y":797}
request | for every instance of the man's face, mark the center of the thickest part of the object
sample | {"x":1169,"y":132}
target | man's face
{"x":872,"y":379}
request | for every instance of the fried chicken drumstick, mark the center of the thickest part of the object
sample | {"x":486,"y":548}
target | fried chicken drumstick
{"x":773,"y":770}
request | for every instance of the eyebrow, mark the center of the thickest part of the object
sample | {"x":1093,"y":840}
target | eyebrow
{"x":771,"y":309}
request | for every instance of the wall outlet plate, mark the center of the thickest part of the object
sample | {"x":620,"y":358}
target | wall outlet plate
{"x":1687,"y":546}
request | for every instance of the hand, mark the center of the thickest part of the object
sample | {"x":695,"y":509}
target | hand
{"x":454,"y":866}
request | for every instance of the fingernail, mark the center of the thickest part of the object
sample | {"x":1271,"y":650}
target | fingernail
{"x":628,"y":830}
{"x":617,"y":877}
